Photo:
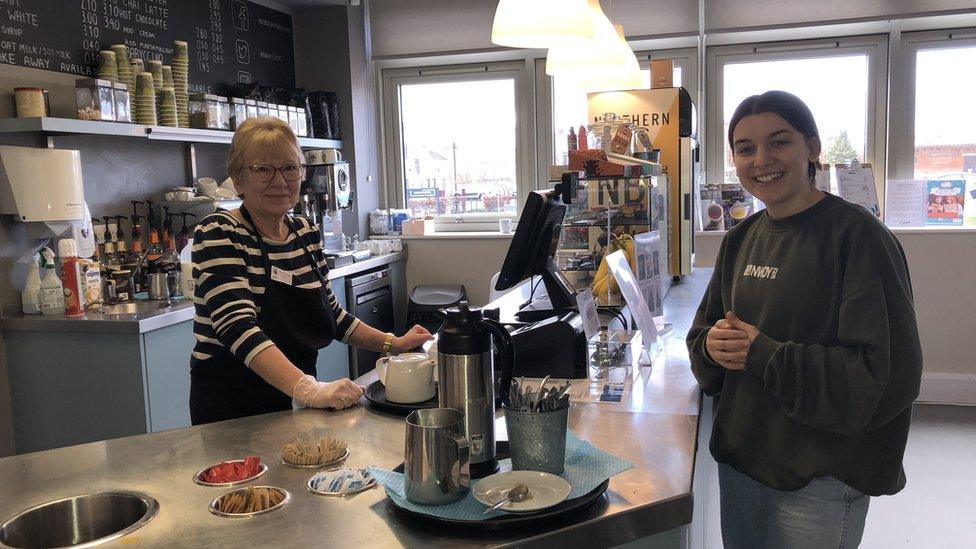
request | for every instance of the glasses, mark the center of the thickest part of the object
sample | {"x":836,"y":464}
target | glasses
{"x":264,"y":173}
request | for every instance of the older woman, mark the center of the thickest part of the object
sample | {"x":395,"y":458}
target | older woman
{"x":264,"y":305}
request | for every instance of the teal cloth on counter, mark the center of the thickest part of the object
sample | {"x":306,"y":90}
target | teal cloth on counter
{"x":586,"y":468}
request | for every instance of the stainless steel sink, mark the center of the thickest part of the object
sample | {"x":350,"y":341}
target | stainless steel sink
{"x":134,"y":307}
{"x":80,"y":521}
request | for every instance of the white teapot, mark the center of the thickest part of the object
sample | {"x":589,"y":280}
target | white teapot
{"x":409,"y":377}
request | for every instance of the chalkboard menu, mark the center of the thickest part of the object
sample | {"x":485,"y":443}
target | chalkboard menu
{"x":230,"y":40}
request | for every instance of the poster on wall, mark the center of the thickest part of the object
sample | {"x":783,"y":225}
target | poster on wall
{"x":906,"y":202}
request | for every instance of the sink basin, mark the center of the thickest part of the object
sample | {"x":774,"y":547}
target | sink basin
{"x":134,"y":307}
{"x":80,"y":521}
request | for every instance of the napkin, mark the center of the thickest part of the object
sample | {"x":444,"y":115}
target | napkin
{"x":586,"y":467}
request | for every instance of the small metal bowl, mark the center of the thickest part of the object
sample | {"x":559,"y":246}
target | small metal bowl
{"x":308,"y":486}
{"x":341,"y":458}
{"x":263,"y":470}
{"x":214,"y":510}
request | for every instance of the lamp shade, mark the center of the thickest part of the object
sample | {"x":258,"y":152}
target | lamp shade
{"x":542,"y":23}
{"x":609,"y":64}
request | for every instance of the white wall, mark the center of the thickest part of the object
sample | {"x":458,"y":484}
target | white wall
{"x":744,"y":14}
{"x":437,"y":26}
{"x":941,"y":266}
{"x":456,"y":260}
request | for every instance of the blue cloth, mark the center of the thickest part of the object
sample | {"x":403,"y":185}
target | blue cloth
{"x":586,"y":467}
{"x":824,"y":513}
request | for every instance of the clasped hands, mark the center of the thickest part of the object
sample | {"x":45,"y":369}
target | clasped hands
{"x":728,"y":341}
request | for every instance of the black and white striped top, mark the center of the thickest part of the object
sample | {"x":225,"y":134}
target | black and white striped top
{"x":228,"y":274}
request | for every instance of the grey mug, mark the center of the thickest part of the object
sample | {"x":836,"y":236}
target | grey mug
{"x":435,"y":462}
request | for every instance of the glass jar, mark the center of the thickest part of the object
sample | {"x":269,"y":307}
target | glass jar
{"x":302,"y":122}
{"x":252,"y":108}
{"x":262,"y":108}
{"x":612,"y":134}
{"x":293,"y":118}
{"x":238,"y":112}
{"x":123,"y":113}
{"x":31,"y":102}
{"x":94,"y":99}
{"x":205,"y":111}
{"x":223,"y":111}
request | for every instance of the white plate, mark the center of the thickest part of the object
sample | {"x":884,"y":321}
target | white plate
{"x":545,"y":490}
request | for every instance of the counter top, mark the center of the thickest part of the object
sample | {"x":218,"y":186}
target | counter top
{"x":140,"y":323}
{"x":655,"y":429}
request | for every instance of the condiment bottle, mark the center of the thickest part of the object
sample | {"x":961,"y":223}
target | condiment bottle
{"x":51,"y":294}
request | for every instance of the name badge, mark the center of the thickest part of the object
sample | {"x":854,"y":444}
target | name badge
{"x":280,"y":275}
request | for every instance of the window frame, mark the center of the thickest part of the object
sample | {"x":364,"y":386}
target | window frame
{"x":874,"y":46}
{"x":684,"y":57}
{"x":906,"y":46}
{"x":393,"y":78}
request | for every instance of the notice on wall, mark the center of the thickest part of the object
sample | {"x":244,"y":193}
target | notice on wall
{"x":229,"y":40}
{"x":856,"y":184}
{"x":906,"y":202}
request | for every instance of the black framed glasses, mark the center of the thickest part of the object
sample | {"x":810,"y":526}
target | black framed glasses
{"x":264,"y":173}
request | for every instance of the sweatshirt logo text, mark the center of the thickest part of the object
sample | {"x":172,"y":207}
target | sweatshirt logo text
{"x":761,"y":271}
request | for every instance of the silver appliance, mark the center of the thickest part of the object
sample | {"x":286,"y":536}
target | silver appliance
{"x":369,"y":297}
{"x":327,"y":181}
{"x":465,"y":373}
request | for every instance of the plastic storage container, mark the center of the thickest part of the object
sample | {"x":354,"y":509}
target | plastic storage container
{"x":252,"y":108}
{"x":94,"y":99}
{"x":123,"y":112}
{"x":208,"y":111}
{"x":302,"y":122}
{"x":292,"y":118}
{"x":262,"y":108}
{"x":238,"y":112}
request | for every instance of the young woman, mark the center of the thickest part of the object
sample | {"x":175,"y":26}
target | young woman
{"x":264,"y":305}
{"x":807,"y":333}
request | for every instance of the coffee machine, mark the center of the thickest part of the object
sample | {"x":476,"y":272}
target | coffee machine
{"x":326,"y":191}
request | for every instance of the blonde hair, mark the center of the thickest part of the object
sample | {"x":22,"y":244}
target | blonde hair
{"x":259,"y":134}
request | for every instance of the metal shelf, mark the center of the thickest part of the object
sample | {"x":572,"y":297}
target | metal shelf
{"x":64,"y":126}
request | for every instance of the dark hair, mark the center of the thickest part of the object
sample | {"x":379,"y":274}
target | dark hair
{"x":788,"y":106}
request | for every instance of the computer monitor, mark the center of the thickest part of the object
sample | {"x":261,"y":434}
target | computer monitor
{"x":533,"y":249}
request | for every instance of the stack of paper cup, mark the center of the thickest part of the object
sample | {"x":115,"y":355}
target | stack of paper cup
{"x":181,"y":72}
{"x":124,"y":69}
{"x":145,"y":99}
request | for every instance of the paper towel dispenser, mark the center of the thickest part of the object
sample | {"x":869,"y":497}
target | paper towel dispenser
{"x":41,"y":184}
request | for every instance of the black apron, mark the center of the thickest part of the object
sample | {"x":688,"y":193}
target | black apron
{"x":298,"y":321}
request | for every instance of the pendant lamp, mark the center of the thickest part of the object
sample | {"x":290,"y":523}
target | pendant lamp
{"x":542,"y":24}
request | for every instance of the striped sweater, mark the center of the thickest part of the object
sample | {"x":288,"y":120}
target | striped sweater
{"x":229,"y":275}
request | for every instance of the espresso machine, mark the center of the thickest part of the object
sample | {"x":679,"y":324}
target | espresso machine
{"x":326,"y":191}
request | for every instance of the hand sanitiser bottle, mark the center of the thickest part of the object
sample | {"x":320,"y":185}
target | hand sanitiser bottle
{"x":32,"y":288}
{"x":51,"y":295}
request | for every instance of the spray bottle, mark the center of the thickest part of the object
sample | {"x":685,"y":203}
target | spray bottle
{"x":32,"y":288}
{"x":51,"y":294}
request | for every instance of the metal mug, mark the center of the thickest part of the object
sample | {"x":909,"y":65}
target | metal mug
{"x":158,"y":286}
{"x":435,"y":462}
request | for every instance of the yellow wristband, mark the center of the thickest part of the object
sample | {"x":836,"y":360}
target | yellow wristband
{"x":387,"y":343}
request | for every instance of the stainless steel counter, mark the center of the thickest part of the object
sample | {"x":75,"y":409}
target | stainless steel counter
{"x":655,"y":429}
{"x":140,"y":323}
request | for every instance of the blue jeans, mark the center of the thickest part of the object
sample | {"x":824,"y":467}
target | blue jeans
{"x":824,"y":514}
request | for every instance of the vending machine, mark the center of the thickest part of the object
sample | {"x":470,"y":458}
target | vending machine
{"x":668,"y":117}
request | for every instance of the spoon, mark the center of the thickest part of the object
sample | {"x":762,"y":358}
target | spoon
{"x":519,"y":493}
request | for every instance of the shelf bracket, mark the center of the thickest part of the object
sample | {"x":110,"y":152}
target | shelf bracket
{"x":191,"y":162}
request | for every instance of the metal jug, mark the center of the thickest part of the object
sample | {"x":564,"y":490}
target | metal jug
{"x":465,"y":374}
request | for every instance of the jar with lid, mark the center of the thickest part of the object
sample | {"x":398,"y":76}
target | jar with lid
{"x":123,"y":112}
{"x":94,"y":99}
{"x":302,"y":122}
{"x":293,"y":118}
{"x":238,"y":112}
{"x":252,"y":108}
{"x":612,"y":133}
{"x":31,"y":102}
{"x":262,"y":108}
{"x":223,"y":109}
{"x":205,"y":111}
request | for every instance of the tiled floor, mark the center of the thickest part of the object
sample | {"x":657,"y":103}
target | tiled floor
{"x":936,"y":510}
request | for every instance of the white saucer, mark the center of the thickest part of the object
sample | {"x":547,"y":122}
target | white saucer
{"x":545,"y":490}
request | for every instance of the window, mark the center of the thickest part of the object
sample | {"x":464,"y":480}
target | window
{"x":569,"y":103}
{"x":457,"y":146}
{"x":838,"y":80}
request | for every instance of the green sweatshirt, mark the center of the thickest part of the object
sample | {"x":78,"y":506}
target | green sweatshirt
{"x":830,"y":380}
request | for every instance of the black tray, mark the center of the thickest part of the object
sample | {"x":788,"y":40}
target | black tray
{"x":376,"y":395}
{"x":511,"y":520}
